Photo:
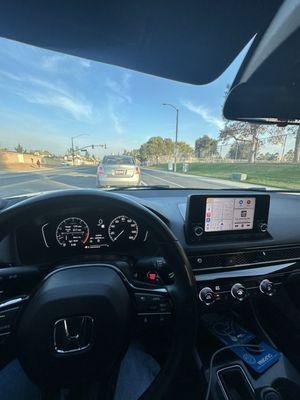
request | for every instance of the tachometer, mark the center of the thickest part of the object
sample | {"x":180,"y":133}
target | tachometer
{"x":72,"y":232}
{"x":123,"y":228}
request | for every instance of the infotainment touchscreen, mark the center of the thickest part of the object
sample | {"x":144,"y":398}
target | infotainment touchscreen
{"x":227,"y":217}
{"x":229,"y":213}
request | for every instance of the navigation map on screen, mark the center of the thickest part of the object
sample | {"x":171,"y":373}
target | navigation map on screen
{"x":229,"y":213}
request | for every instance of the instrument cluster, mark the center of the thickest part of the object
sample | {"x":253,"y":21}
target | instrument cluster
{"x":90,"y":232}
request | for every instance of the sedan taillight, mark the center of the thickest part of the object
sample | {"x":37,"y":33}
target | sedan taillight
{"x":136,"y":170}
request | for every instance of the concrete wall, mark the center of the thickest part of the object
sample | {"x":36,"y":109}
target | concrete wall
{"x":19,"y":161}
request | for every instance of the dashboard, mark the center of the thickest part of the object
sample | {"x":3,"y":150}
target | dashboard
{"x":245,"y":237}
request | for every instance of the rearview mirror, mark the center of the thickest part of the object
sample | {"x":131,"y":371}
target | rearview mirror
{"x":267,"y":86}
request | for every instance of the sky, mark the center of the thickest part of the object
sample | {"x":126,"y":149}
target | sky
{"x":47,"y":97}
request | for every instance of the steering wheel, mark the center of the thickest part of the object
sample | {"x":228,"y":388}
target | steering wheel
{"x":76,"y":326}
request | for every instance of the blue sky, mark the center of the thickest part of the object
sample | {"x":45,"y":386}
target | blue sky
{"x":47,"y":97}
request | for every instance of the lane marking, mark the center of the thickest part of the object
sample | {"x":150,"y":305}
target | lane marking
{"x":162,"y":179}
{"x":144,"y":183}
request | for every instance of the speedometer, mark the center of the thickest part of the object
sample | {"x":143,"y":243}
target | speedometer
{"x":123,"y":228}
{"x":72,"y":232}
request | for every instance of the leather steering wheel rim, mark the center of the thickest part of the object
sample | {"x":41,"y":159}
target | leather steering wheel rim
{"x":182,"y":292}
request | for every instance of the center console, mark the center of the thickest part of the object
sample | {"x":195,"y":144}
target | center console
{"x":232,"y":287}
{"x":241,"y":361}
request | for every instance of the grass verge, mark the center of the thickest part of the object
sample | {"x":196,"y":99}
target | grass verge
{"x":286,"y":176}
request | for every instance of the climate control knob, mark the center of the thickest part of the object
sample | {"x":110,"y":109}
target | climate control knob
{"x":207,"y":296}
{"x":239,"y":292}
{"x":267,"y":287}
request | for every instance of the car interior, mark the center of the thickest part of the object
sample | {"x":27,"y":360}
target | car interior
{"x":85,"y":272}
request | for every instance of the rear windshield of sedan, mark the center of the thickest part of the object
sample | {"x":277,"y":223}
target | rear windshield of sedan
{"x":118,"y":160}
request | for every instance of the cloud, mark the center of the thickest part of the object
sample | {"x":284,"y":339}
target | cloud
{"x":76,"y":108}
{"x":116,"y":121}
{"x":51,"y":63}
{"x":40,"y":91}
{"x":120,"y":89}
{"x":85,"y":63}
{"x":118,"y":94}
{"x":204,"y":113}
{"x":9,"y":75}
{"x":63,"y":63}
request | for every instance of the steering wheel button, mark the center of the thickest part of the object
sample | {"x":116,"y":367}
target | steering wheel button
{"x":4,"y":328}
{"x":153,"y":307}
{"x":156,"y":299}
{"x":141,"y":298}
{"x":163,"y":319}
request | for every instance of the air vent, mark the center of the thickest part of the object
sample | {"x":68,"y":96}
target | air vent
{"x":246,"y":258}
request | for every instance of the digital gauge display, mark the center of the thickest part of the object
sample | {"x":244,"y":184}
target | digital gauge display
{"x":123,"y":228}
{"x":72,"y":232}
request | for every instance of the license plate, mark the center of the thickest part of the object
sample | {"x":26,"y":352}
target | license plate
{"x":119,"y":172}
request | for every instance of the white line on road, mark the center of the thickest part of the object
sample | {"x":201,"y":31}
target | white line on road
{"x":162,"y":179}
{"x":144,"y":183}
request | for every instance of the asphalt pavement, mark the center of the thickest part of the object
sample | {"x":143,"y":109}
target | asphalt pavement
{"x":14,"y":183}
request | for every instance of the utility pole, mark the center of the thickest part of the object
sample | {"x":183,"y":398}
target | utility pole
{"x":176,"y":134}
{"x":72,"y":145}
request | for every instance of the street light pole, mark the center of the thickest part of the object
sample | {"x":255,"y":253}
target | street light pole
{"x":72,"y":145}
{"x":176,"y":134}
{"x":236,"y":149}
{"x":283,"y":147}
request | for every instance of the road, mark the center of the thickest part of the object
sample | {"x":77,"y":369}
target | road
{"x":14,"y":183}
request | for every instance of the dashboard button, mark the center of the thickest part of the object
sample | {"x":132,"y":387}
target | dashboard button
{"x":207,"y":296}
{"x":239,"y":292}
{"x":198,"y":230}
{"x":152,"y":276}
{"x":263,"y":227}
{"x":267,"y":287}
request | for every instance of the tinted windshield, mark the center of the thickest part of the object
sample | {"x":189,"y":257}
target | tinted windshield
{"x":62,"y":116}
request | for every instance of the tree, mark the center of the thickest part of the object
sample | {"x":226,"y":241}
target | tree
{"x":184,"y":149}
{"x":239,"y":150}
{"x":280,"y":135}
{"x":169,"y":147}
{"x":296,"y":158}
{"x":254,"y":134}
{"x":243,"y":132}
{"x":152,"y":149}
{"x":289,"y":156}
{"x":205,"y":146}
{"x":20,"y":149}
{"x":269,"y":156}
{"x":157,"y":146}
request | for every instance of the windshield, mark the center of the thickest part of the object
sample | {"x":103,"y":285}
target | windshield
{"x":71,"y":123}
